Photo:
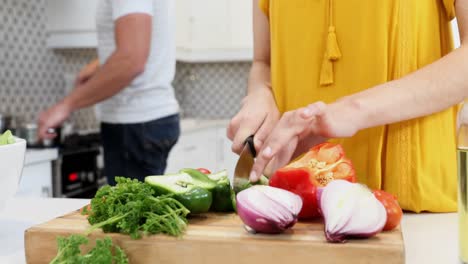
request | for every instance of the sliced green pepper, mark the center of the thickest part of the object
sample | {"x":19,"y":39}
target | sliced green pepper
{"x":200,"y":179}
{"x":184,"y":189}
{"x":262,"y":181}
{"x":233,"y":200}
{"x":196,"y":200}
{"x":221,"y":193}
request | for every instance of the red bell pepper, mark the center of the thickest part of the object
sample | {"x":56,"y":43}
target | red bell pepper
{"x":322,"y":164}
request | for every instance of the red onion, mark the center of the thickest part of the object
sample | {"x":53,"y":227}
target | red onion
{"x":267,"y":209}
{"x":350,"y":210}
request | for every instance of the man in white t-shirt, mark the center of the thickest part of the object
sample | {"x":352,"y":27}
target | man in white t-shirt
{"x":131,"y":88}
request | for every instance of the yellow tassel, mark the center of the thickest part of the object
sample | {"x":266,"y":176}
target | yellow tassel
{"x":333,"y":50}
{"x":326,"y":73}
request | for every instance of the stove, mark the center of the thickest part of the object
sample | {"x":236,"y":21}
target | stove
{"x":77,"y":173}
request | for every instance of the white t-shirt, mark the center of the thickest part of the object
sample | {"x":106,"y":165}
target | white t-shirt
{"x":150,"y":96}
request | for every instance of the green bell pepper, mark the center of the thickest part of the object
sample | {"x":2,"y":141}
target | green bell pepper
{"x":200,"y":179}
{"x":196,"y":200}
{"x":185,"y":189}
{"x":262,"y":181}
{"x":222,"y":192}
{"x":233,"y":200}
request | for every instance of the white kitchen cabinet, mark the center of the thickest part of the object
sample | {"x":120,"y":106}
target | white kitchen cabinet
{"x":214,"y":30}
{"x":203,"y":145}
{"x":36,"y":178}
{"x":206,"y":30}
{"x":240,"y":14}
{"x":71,"y":24}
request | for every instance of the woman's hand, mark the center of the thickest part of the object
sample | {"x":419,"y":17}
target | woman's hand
{"x":305,"y":127}
{"x":258,"y":116}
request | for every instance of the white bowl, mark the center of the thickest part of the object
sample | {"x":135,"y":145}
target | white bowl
{"x":11,"y":167}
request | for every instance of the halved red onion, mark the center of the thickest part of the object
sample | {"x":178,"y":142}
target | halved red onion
{"x":350,"y":210}
{"x":319,"y":197}
{"x":267,"y":209}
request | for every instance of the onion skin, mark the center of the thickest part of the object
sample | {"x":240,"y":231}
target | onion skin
{"x":259,"y":223}
{"x":319,"y":197}
{"x":350,"y":210}
{"x":261,"y":209}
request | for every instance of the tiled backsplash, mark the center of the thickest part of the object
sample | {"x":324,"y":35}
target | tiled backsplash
{"x":32,"y":76}
{"x":211,"y":90}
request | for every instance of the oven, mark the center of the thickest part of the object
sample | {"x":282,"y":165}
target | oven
{"x":78,"y":172}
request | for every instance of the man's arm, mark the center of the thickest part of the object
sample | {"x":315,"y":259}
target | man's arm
{"x":133,"y":41}
{"x":87,"y":72}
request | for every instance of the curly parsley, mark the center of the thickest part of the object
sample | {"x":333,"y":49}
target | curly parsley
{"x":69,"y":252}
{"x":130,"y":208}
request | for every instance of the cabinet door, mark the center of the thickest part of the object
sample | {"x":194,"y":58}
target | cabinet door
{"x":71,"y":15}
{"x":209,"y":28}
{"x":240,"y":23}
{"x":71,"y":23}
{"x":183,"y":24}
{"x":214,"y":30}
{"x":194,"y":150}
{"x":202,"y":24}
{"x":36,"y":180}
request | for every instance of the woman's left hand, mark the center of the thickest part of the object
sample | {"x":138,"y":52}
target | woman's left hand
{"x":297,"y":131}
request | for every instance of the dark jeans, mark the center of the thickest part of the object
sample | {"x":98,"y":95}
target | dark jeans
{"x":138,"y":150}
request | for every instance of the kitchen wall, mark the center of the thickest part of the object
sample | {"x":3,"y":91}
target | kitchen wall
{"x":32,"y":76}
{"x":211,"y":90}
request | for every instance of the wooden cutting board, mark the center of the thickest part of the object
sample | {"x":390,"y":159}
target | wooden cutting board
{"x":221,"y":238}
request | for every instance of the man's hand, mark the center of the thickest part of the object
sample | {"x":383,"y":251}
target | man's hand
{"x":52,"y":118}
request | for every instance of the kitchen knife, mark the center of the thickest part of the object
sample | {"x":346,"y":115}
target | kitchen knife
{"x":244,"y":165}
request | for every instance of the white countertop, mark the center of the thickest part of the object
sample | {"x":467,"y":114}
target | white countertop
{"x":429,"y":238}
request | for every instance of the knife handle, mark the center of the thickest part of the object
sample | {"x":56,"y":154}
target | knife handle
{"x":250,"y":141}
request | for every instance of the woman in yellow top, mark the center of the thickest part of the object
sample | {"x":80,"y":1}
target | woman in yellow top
{"x":380,"y":77}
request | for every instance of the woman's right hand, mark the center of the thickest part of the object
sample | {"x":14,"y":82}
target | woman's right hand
{"x":258,"y":116}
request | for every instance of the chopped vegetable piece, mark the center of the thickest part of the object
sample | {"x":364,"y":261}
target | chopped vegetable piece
{"x":350,"y":210}
{"x":221,"y":193}
{"x":267,"y":209}
{"x":184,"y":189}
{"x":394,"y":212}
{"x":322,"y":164}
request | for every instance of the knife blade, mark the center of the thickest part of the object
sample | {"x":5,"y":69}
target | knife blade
{"x":244,"y":165}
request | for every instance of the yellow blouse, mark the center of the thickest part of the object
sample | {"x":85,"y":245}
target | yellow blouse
{"x":327,"y":49}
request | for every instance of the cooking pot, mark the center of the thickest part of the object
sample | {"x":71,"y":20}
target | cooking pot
{"x":5,"y":123}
